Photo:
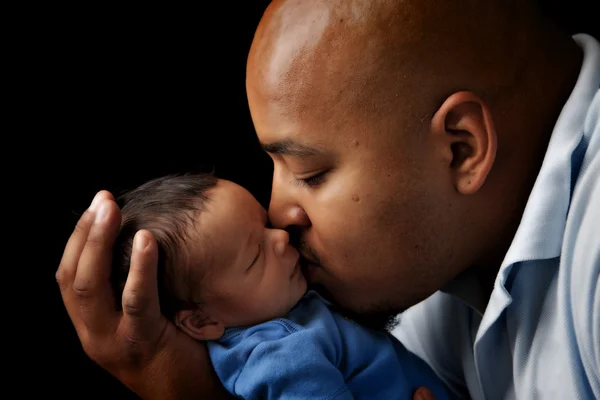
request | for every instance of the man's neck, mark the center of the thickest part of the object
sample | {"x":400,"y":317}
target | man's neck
{"x":475,"y":285}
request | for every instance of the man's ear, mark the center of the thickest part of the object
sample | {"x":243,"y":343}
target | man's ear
{"x":198,"y":325}
{"x":465,"y":127}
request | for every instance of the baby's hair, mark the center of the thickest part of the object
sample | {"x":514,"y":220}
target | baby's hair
{"x":167,"y":207}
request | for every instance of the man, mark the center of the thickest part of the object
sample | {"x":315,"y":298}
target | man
{"x":443,"y":156}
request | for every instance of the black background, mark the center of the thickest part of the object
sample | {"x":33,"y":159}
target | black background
{"x":113,"y":97}
{"x":125,"y":96}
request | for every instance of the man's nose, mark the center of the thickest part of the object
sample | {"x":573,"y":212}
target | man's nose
{"x":284,"y":216}
{"x":284,"y":210}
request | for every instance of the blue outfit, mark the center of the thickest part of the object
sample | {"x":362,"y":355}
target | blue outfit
{"x":538,"y":337}
{"x":315,"y":353}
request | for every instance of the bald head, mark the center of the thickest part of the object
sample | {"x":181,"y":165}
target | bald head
{"x":414,"y":128}
{"x":366,"y":54}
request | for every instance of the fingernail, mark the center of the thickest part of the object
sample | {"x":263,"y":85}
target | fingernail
{"x":101,"y":212}
{"x":95,"y":202}
{"x":141,"y":241}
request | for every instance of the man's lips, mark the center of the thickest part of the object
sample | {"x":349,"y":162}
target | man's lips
{"x":305,"y":262}
{"x":308,"y":268}
{"x":304,"y":259}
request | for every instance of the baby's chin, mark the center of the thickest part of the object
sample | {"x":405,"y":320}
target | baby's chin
{"x":281,"y":312}
{"x":296,"y":297}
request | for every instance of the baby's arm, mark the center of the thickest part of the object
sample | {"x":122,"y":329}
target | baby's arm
{"x":277,"y":364}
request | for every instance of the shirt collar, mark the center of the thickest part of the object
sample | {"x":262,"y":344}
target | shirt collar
{"x":540,"y":232}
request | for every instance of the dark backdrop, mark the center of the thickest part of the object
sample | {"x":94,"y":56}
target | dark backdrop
{"x":124,"y":95}
{"x":128,"y":95}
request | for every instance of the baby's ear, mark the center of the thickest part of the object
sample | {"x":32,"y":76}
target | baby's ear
{"x":198,"y":325}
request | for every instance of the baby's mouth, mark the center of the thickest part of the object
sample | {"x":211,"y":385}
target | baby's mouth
{"x":297,"y":269}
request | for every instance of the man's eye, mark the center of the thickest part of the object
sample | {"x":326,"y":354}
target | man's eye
{"x":312,"y":181}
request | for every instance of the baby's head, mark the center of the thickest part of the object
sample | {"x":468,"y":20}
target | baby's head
{"x":219,"y":265}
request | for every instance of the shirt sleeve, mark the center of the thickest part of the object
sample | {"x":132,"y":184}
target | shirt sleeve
{"x":277,"y":363}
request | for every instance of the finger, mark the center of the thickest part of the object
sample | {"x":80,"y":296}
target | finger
{"x":91,"y":286}
{"x":423,"y":393}
{"x":101,"y":195}
{"x":65,"y":274}
{"x":68,"y":263}
{"x":140,"y":296}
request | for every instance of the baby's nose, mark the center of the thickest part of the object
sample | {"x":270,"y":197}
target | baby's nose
{"x":281,"y":239}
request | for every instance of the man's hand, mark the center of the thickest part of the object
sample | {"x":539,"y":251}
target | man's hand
{"x":137,"y":345}
{"x":423,"y":393}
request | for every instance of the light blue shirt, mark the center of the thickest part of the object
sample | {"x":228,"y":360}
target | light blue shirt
{"x":315,"y":353}
{"x":539,"y":336}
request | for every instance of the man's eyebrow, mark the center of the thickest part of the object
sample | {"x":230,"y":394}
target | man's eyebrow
{"x":290,"y":148}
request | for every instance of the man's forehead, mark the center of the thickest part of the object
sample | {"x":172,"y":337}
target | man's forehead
{"x":301,"y":49}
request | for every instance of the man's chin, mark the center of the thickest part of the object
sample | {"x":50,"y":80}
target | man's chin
{"x":377,"y":321}
{"x":381,"y":319}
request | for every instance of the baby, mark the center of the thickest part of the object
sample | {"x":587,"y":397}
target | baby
{"x":227,"y":278}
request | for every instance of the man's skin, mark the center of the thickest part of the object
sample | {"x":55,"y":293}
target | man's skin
{"x":405,"y":136}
